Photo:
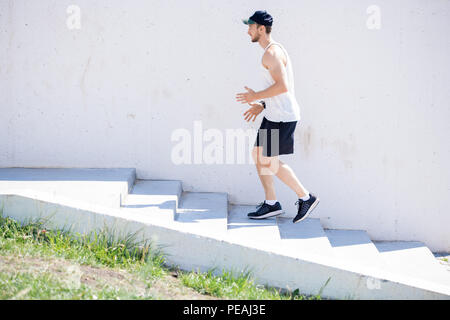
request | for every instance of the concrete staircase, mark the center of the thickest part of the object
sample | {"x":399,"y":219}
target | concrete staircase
{"x":202,"y":230}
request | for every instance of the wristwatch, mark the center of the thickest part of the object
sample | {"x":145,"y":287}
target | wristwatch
{"x":263,"y":103}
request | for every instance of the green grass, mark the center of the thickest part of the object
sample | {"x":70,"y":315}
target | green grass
{"x":46,"y":287}
{"x":96,"y":248}
{"x":103,"y":249}
{"x":238,"y":285}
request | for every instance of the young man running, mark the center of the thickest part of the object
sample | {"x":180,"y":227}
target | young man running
{"x":276,"y":133}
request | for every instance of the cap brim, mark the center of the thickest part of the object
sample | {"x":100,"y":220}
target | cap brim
{"x":248,"y":21}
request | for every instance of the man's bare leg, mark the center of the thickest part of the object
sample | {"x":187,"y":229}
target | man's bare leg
{"x":287,"y":175}
{"x":265,"y":174}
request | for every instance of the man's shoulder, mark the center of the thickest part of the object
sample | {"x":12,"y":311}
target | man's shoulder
{"x":274,"y":49}
{"x":274,"y":52}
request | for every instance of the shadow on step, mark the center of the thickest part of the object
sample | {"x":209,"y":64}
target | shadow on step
{"x":163,"y":205}
{"x":343,"y":238}
{"x":237,"y":218}
{"x":306,"y":229}
{"x":205,"y":207}
{"x":197,"y":215}
{"x":385,"y":246}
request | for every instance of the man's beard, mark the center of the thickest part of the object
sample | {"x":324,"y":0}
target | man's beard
{"x":256,"y":39}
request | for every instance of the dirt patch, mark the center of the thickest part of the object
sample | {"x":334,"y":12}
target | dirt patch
{"x":167,"y":288}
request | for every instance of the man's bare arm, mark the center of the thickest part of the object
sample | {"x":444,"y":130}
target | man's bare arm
{"x":278,"y":71}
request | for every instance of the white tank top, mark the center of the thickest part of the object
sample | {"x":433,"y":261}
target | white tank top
{"x":282,"y":107}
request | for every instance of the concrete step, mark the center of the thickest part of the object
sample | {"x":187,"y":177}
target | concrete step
{"x":157,"y":199}
{"x":191,"y":250}
{"x":355,"y":246}
{"x":303,"y":239}
{"x":414,"y":259}
{"x":262,"y":234}
{"x":101,"y":186}
{"x":204,"y":213}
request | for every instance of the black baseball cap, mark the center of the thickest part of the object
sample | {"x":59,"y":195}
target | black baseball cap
{"x":259,"y":17}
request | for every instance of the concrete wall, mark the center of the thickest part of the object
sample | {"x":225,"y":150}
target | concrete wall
{"x":372,"y":141}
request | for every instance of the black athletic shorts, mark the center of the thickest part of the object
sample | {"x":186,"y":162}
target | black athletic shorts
{"x":272,"y":133}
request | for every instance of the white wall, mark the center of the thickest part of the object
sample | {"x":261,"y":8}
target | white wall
{"x":372,"y":141}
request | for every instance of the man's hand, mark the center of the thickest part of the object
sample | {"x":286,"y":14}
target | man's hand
{"x":246,"y":97}
{"x":256,"y":108}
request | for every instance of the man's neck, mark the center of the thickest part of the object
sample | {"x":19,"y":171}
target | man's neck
{"x":264,"y":42}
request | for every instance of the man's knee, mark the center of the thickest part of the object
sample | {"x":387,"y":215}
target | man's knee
{"x":257,"y":156}
{"x":275,"y":165}
{"x":270,"y":165}
{"x":259,"y":159}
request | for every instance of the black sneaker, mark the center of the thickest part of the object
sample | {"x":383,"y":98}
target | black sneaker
{"x":266,"y":210}
{"x":305,"y":207}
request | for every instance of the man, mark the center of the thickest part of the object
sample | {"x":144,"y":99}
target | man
{"x":276,"y":133}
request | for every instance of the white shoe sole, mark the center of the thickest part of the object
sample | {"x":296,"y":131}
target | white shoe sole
{"x":309,"y":211}
{"x":268,"y":215}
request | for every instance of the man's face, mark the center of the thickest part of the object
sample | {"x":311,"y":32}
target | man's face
{"x":253,"y":32}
